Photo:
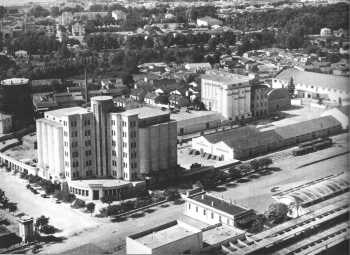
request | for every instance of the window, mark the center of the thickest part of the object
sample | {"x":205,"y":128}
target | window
{"x":189,"y":206}
{"x":75,"y":154}
{"x":212,"y":215}
{"x":87,"y":132}
{"x":65,"y":133}
{"x":113,"y":143}
{"x":196,"y":208}
{"x":204,"y":212}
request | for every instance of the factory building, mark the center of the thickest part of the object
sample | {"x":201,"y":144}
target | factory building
{"x":247,"y":142}
{"x":84,"y":146}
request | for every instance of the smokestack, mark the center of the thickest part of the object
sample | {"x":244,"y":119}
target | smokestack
{"x":86,"y":91}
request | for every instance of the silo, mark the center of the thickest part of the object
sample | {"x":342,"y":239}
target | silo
{"x":16,"y":100}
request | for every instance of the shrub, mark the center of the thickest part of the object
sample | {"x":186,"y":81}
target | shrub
{"x":90,"y":207}
{"x":78,"y":203}
{"x":48,"y":229}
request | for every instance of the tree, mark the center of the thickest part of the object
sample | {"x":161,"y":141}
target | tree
{"x":265,"y":162}
{"x":39,"y":11}
{"x":277,"y":213}
{"x":90,"y":207}
{"x":255,"y":164}
{"x":55,"y":11}
{"x":12,"y":207}
{"x":171,"y":194}
{"x":3,"y":11}
{"x":107,"y":199}
{"x":291,"y":87}
{"x":258,"y":224}
{"x":41,"y":222}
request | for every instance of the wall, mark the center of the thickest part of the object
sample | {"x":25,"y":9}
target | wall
{"x":207,"y":214}
{"x":158,"y":147}
{"x":5,"y":124}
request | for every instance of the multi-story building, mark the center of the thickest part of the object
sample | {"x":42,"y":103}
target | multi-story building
{"x":77,"y":144}
{"x":259,"y":101}
{"x":66,"y":144}
{"x":16,"y":100}
{"x":227,"y":93}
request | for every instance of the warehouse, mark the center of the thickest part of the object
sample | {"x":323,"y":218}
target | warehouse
{"x":247,"y":142}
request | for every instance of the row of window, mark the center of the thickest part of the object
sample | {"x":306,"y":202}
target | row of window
{"x":74,"y":123}
{"x":211,"y":214}
{"x":81,"y":192}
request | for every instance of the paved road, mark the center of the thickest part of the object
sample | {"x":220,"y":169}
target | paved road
{"x":256,"y":194}
{"x":80,"y":228}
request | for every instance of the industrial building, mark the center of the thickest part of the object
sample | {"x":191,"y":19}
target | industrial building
{"x":246,"y":142}
{"x":212,"y":210}
{"x":227,"y":94}
{"x":15,"y":99}
{"x":5,"y":123}
{"x":196,"y":121}
{"x":208,"y":223}
{"x":330,"y":88}
{"x":176,"y":237}
{"x":77,"y":144}
{"x":341,"y":113}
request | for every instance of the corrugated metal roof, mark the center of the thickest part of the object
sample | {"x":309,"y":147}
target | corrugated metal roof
{"x":250,"y":137}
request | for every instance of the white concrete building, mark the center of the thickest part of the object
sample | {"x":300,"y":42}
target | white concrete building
{"x":331,"y":88}
{"x":66,"y":144}
{"x":212,"y":210}
{"x":118,"y":15}
{"x":227,"y":93}
{"x":175,"y":237}
{"x":208,"y":22}
{"x":83,"y":146}
{"x":326,"y":32}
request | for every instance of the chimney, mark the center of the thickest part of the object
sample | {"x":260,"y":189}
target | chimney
{"x":212,"y":203}
{"x":202,"y":196}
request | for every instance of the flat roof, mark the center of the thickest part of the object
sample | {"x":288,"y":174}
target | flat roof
{"x":219,"y":204}
{"x":164,"y":234}
{"x":107,"y":183}
{"x":145,"y":112}
{"x":225,"y":77}
{"x":50,"y":122}
{"x":102,"y":98}
{"x":209,"y":115}
{"x":68,"y":111}
{"x":220,"y":234}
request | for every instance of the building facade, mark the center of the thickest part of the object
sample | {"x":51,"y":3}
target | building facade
{"x":227,"y":93}
{"x":175,"y":237}
{"x":81,"y":144}
{"x":5,"y":123}
{"x":259,"y":101}
{"x":212,"y":210}
{"x":310,"y":85}
{"x":248,"y":141}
